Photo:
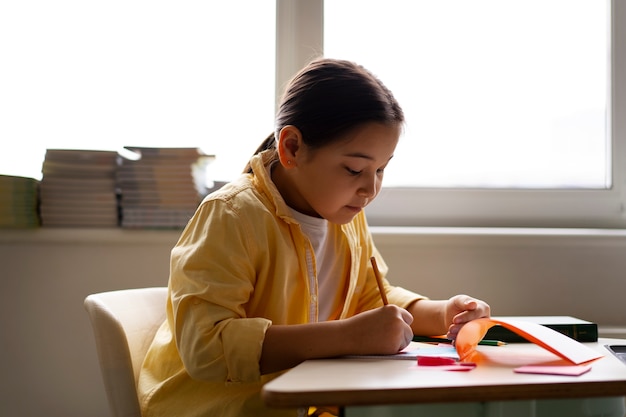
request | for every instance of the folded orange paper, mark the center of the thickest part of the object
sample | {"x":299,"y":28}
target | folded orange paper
{"x":559,"y":344}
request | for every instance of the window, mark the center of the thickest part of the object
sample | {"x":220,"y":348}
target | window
{"x":108,"y":74}
{"x":509,"y":108}
{"x":497,"y":94}
{"x":203,"y":74}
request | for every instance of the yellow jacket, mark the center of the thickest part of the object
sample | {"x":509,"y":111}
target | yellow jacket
{"x":241,"y":264}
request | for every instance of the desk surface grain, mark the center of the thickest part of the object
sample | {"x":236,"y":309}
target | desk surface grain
{"x":346,"y":382}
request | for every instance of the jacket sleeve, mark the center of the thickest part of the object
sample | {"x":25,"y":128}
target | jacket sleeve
{"x":211,"y":279}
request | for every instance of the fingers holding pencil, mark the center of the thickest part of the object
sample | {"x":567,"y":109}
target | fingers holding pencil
{"x":397,"y":321}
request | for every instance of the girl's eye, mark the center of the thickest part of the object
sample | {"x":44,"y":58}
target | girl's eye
{"x":352,"y":172}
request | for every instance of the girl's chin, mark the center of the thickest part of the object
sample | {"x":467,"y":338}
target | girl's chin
{"x":344,"y":216}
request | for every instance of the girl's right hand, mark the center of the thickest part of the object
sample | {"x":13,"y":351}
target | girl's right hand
{"x":384,"y":330}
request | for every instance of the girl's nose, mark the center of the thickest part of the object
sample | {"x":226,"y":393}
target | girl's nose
{"x":369,"y":187}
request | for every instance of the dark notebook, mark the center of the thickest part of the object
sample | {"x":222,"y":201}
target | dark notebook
{"x":577,"y":329}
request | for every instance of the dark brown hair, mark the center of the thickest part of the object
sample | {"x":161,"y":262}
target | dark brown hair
{"x":330,"y":97}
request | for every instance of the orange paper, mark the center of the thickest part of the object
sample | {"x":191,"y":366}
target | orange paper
{"x":561,"y":345}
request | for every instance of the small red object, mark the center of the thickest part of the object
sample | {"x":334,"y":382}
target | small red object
{"x":435,"y":361}
{"x":444,"y":364}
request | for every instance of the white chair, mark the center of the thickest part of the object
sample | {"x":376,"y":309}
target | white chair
{"x":124,"y":323}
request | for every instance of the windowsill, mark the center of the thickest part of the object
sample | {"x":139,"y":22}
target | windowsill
{"x":388,"y":234}
{"x":498,"y":236}
{"x":498,"y":231}
{"x":88,"y":235}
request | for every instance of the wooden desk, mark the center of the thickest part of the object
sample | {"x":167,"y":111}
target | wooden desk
{"x":350,"y":382}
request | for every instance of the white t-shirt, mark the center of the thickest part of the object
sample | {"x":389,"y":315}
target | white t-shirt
{"x":324,"y":241}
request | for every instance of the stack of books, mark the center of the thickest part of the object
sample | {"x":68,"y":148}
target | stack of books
{"x":160,"y":188}
{"x":78,"y":188}
{"x":18,"y":202}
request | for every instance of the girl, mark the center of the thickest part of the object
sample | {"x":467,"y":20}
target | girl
{"x":274,"y":268}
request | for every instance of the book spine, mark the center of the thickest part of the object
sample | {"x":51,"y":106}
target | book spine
{"x":581,"y":332}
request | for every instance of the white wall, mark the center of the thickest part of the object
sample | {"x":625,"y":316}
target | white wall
{"x":518,"y":271}
{"x":48,"y":358}
{"x":48,"y":361}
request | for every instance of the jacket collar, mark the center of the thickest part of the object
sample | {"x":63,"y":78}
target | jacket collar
{"x":261,"y":165}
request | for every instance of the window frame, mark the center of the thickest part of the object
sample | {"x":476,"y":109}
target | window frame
{"x":300,"y":38}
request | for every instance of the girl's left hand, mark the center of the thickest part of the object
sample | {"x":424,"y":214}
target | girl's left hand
{"x":462,"y":308}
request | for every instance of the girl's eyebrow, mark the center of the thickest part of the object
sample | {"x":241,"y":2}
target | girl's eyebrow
{"x":359,"y":155}
{"x":363,"y":155}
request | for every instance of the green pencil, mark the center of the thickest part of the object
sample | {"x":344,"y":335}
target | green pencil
{"x":491,"y":343}
{"x":430,"y":339}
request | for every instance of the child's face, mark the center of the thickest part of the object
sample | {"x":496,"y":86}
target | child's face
{"x":337,"y":181}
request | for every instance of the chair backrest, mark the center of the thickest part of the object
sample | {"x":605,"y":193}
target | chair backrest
{"x":124,"y":323}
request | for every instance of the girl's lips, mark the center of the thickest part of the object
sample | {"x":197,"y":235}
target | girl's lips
{"x":355,"y":209}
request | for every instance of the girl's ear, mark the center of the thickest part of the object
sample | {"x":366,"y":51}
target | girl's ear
{"x":289,"y":143}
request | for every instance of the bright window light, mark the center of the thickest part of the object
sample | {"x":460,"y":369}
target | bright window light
{"x":108,"y":74}
{"x":497,"y":94}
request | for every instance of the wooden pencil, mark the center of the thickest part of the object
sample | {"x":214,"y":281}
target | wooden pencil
{"x":379,"y":281}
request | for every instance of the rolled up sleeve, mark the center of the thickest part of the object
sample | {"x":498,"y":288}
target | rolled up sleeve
{"x":215,"y":339}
